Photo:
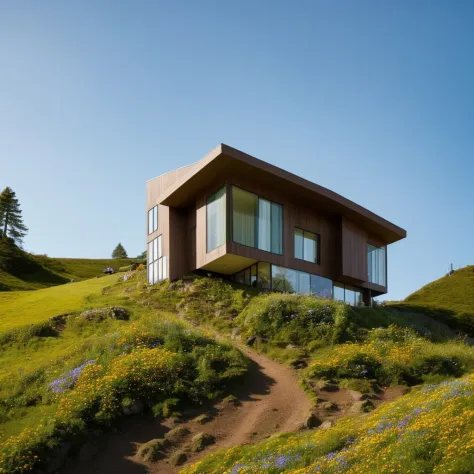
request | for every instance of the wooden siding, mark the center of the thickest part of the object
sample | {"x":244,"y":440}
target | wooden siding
{"x":354,"y":251}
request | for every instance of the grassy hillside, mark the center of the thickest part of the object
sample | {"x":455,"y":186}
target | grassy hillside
{"x":20,"y":270}
{"x":81,"y":268}
{"x":428,"y":430}
{"x":449,"y":299}
{"x":20,"y":308}
{"x":63,"y":380}
{"x":87,"y":367}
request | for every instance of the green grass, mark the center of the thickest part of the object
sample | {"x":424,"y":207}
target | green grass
{"x":449,"y":299}
{"x":19,"y":308}
{"x":81,"y":268}
{"x":20,"y":270}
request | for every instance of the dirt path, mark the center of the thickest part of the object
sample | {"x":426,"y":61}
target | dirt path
{"x":270,"y":402}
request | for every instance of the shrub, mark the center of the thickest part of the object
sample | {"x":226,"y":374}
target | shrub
{"x":406,"y":360}
{"x":295,"y":319}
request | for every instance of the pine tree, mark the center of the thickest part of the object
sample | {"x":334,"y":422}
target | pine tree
{"x":11,"y":222}
{"x":119,"y":252}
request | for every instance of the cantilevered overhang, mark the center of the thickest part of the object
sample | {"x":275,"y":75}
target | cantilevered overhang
{"x":226,"y":163}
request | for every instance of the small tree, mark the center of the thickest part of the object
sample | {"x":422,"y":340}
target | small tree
{"x":11,"y":222}
{"x":119,"y":252}
{"x":142,"y":256}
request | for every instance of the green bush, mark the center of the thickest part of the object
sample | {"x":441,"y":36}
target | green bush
{"x":295,"y":319}
{"x":128,"y":268}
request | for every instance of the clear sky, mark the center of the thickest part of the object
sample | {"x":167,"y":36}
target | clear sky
{"x":372,"y":99}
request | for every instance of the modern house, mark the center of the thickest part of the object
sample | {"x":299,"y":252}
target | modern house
{"x":237,"y":216}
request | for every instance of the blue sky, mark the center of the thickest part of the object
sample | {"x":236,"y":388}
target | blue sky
{"x":374,"y":100}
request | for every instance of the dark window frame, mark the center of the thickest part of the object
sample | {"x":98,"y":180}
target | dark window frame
{"x":154,"y":226}
{"x":318,"y":246}
{"x":232,"y":186}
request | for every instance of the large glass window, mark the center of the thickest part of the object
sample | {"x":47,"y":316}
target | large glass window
{"x":277,"y":228}
{"x":306,"y":245}
{"x":321,"y":287}
{"x":283,"y":279}
{"x":216,"y":219}
{"x":256,"y":222}
{"x":348,"y":294}
{"x":272,"y":277}
{"x":264,"y":225}
{"x":338,"y":291}
{"x":244,"y":210}
{"x":376,"y":265}
{"x":264,"y":277}
{"x":153,"y":219}
{"x":156,"y":261}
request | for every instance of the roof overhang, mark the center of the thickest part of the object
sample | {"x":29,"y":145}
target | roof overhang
{"x":227,"y":162}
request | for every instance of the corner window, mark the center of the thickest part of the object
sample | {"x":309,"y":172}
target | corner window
{"x":348,"y":294}
{"x":156,"y":261}
{"x":216,"y":220}
{"x":256,"y":222}
{"x":153,"y":219}
{"x":306,"y":245}
{"x":377,"y":265}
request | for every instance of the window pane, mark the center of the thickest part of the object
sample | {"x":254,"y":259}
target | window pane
{"x":264,"y":225}
{"x":358,"y":298}
{"x":159,"y":244}
{"x":150,"y":273}
{"x":150,"y":221}
{"x":277,"y":228}
{"x":244,"y":209}
{"x":303,"y":282}
{"x":298,"y":244}
{"x":155,"y":218}
{"x":309,"y":251}
{"x":338,"y":291}
{"x":150,"y":252}
{"x":155,"y":249}
{"x":376,"y":265}
{"x":239,"y":277}
{"x":350,"y":295}
{"x":253,"y":275}
{"x":264,"y":275}
{"x":247,"y":276}
{"x":321,"y":287}
{"x":284,"y":279}
{"x":216,"y":221}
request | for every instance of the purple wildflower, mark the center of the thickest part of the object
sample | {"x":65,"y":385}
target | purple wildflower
{"x":67,"y":381}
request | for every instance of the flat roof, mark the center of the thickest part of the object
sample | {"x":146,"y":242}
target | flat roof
{"x":224,"y":157}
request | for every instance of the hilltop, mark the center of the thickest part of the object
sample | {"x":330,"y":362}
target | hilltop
{"x":449,"y":299}
{"x":20,"y":270}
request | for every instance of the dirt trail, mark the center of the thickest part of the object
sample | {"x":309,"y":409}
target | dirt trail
{"x":271,"y":402}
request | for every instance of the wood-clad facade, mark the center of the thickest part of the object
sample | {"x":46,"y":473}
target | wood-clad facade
{"x":344,"y":229}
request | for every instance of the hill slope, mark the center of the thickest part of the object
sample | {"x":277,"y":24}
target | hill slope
{"x":449,"y":299}
{"x":20,"y":270}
